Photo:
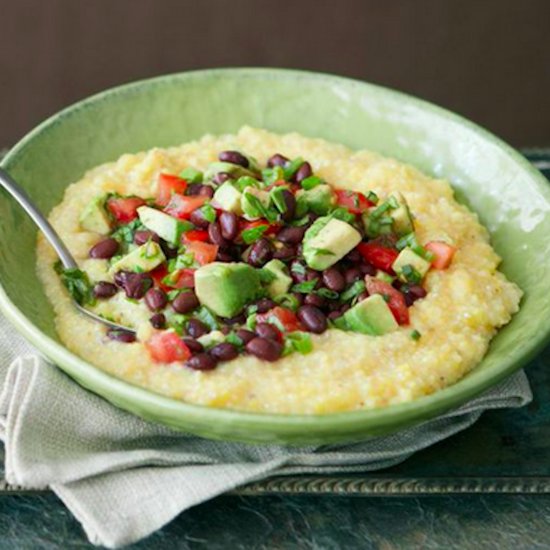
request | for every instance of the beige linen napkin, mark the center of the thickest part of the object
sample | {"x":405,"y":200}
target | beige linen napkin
{"x":124,"y":478}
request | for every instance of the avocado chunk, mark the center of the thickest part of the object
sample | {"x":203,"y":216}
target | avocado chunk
{"x":327,"y":241}
{"x":225,"y":288}
{"x":212,"y":338}
{"x":282,"y":281}
{"x":234,"y":170}
{"x":370,"y":316}
{"x":165,"y":226}
{"x":320,"y":200}
{"x":254,"y":203}
{"x":94,"y":217}
{"x":229,"y":198}
{"x":407,"y":263}
{"x":143,"y":258}
{"x":401,"y":216}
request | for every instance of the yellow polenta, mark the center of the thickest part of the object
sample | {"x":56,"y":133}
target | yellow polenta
{"x":464,"y":307}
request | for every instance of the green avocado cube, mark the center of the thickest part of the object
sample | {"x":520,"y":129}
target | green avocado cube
{"x":370,"y":316}
{"x":229,"y":198}
{"x":320,"y":200}
{"x":327,"y":241}
{"x":143,"y":258}
{"x":401,"y":216}
{"x":409,"y":258}
{"x":94,"y":217}
{"x":282,"y":281}
{"x":225,"y":288}
{"x":165,"y":226}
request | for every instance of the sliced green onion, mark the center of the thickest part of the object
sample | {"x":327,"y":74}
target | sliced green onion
{"x":289,"y":301}
{"x":306,"y":287}
{"x":354,"y":290}
{"x":251,"y":235}
{"x":301,"y":342}
{"x":411,"y":274}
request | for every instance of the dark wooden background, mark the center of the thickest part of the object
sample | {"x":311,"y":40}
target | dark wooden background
{"x":486,"y":59}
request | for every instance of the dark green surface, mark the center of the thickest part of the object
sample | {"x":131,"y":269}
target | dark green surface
{"x":503,"y":443}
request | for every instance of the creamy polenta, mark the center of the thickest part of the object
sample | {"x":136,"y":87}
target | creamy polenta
{"x":445,"y":334}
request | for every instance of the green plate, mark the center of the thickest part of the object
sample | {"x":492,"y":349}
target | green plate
{"x":511,"y":198}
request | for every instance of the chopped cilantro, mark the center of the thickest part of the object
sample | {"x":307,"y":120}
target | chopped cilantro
{"x":250,"y":236}
{"x":208,"y":213}
{"x":292,"y":167}
{"x":343,"y":214}
{"x":415,"y":335}
{"x":411,"y":274}
{"x":298,"y":341}
{"x":77,"y":283}
{"x":328,"y":294}
{"x":289,"y":301}
{"x":191,"y":175}
{"x":354,"y":290}
{"x":298,"y":268}
{"x":306,"y":287}
{"x":207,"y":317}
{"x":271,"y":175}
{"x":311,"y":182}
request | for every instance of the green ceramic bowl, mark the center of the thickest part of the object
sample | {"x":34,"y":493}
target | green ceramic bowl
{"x":511,"y":198}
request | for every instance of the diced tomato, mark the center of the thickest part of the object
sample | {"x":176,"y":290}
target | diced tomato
{"x":158,"y":275}
{"x":272,"y":228}
{"x":167,"y":185}
{"x":181,"y":206}
{"x":205,"y":253}
{"x":355,"y":202}
{"x":443,"y":253}
{"x":379,"y":256}
{"x":281,"y":315}
{"x":167,"y":347}
{"x":195,"y":235}
{"x":396,"y":300}
{"x":184,"y":278}
{"x":124,"y":209}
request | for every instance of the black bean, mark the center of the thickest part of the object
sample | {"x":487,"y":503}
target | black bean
{"x":352,"y":274}
{"x":196,"y":328}
{"x":367,"y":268}
{"x":245,"y":335}
{"x":265,"y":304}
{"x":197,"y":218}
{"x":353,"y":256}
{"x":298,"y":271}
{"x":229,"y":225}
{"x":334,"y":315}
{"x":169,"y":251}
{"x":299,"y":297}
{"x":291,"y":235}
{"x":194,"y":188}
{"x":156,"y":299}
{"x":103,"y":289}
{"x":313,"y":319}
{"x":260,"y":253}
{"x":266,"y":330}
{"x":158,"y":320}
{"x":268,"y":350}
{"x":285,"y":252}
{"x":194,"y":345}
{"x":413,"y":293}
{"x":221,"y":177}
{"x":315,"y":300}
{"x":223,"y":256}
{"x":333,"y":279}
{"x":185,"y":302}
{"x":311,"y":218}
{"x":121,"y":335}
{"x":104,"y":249}
{"x":201,"y":361}
{"x":206,"y":191}
{"x":290,"y":205}
{"x":215,"y":235}
{"x":237,"y":320}
{"x":224,"y":351}
{"x":277,"y":160}
{"x":234,"y":157}
{"x":344,"y":308}
{"x":141,"y":237}
{"x":303,"y":172}
{"x":135,"y":285}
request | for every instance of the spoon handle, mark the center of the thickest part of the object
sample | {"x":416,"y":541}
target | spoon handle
{"x":38,"y":218}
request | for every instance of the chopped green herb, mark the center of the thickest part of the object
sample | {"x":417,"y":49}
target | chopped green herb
{"x":207,"y":317}
{"x":250,"y":236}
{"x":125,"y":233}
{"x":343,"y":214}
{"x":289,"y":301}
{"x":292,"y":167}
{"x":298,"y":268}
{"x":410,"y":241}
{"x":271,"y":175}
{"x":393,"y":203}
{"x":301,"y":342}
{"x":328,"y":294}
{"x":246,"y":181}
{"x":277,"y":195}
{"x":173,"y":294}
{"x":411,"y":274}
{"x":253,"y":308}
{"x":383,"y":208}
{"x":323,"y":252}
{"x":178,"y":322}
{"x":191,"y":175}
{"x":232,"y":338}
{"x":372,"y":197}
{"x":311,"y":182}
{"x":415,"y":335}
{"x":302,"y":206}
{"x":251,"y":321}
{"x":77,"y":283}
{"x":208,"y":212}
{"x":306,"y":287}
{"x":354,"y":290}
{"x":300,"y":222}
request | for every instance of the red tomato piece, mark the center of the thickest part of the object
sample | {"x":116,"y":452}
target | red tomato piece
{"x":272,"y":228}
{"x":185,"y":278}
{"x":158,"y":275}
{"x":355,"y":202}
{"x":167,"y":347}
{"x":396,"y":300}
{"x":124,"y":209}
{"x":379,"y":256}
{"x":167,"y":185}
{"x":181,"y":206}
{"x":282,"y":316}
{"x":195,"y":235}
{"x":205,"y":253}
{"x":443,"y":253}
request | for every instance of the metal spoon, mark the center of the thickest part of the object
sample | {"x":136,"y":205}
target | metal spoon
{"x":7,"y":182}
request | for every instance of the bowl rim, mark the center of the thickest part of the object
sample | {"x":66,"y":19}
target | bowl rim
{"x":282,"y":423}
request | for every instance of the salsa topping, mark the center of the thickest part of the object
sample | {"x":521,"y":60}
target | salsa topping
{"x":241,"y":259}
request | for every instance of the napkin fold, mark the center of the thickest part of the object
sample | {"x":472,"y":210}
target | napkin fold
{"x":123,"y":478}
